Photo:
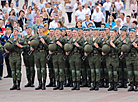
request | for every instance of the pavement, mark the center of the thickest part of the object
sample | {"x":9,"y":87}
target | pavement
{"x":50,"y":95}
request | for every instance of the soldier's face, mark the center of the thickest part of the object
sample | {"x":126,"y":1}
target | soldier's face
{"x":112,"y":33}
{"x":122,"y":33}
{"x":102,"y":33}
{"x":8,"y":31}
{"x":15,"y":32}
{"x":57,"y":32}
{"x":74,"y":33}
{"x":40,"y":30}
{"x":132,"y":34}
{"x":68,"y":32}
{"x":51,"y":32}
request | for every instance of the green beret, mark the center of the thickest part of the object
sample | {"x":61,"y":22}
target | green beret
{"x":40,"y":25}
{"x":16,"y":29}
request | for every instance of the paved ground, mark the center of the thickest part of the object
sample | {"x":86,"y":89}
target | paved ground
{"x":84,"y":95}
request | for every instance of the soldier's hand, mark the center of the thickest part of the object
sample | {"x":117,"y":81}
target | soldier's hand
{"x":103,"y":53}
{"x":76,"y":44}
{"x":19,"y":45}
{"x":67,"y":53}
{"x":42,"y":40}
{"x":96,"y":45}
{"x":32,"y":49}
{"x":124,"y":41}
{"x":86,"y":42}
{"x":6,"y":51}
{"x":112,"y":44}
{"x":85,"y":54}
{"x":122,"y":53}
{"x":103,"y":42}
{"x":50,"y":52}
{"x":134,"y":44}
{"x":29,"y":42}
{"x":59,"y":43}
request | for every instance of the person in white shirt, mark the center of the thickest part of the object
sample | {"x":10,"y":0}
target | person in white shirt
{"x":33,"y":2}
{"x":107,"y":6}
{"x":118,"y":24}
{"x":86,"y":10}
{"x":98,"y":17}
{"x":11,"y":7}
{"x":119,"y":6}
{"x":41,"y":5}
{"x":79,"y":14}
{"x":87,"y":21}
{"x":123,"y":20}
{"x":46,"y":1}
{"x":59,"y":6}
{"x":54,"y":23}
{"x":76,"y":5}
{"x":93,"y":2}
{"x":82,"y":2}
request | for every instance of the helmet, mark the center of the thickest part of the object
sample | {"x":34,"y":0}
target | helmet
{"x":68,"y":47}
{"x":8,"y":46}
{"x":52,"y":47}
{"x":34,"y":43}
{"x":125,"y":48}
{"x":106,"y":48}
{"x":88,"y":48}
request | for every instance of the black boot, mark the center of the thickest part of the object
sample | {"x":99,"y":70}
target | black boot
{"x":121,"y":85}
{"x":58,"y":85}
{"x":68,"y":84}
{"x":115,"y":86}
{"x":40,"y":85}
{"x":18,"y":85}
{"x":78,"y":85}
{"x":106,"y":84}
{"x":131,"y":87}
{"x":14,"y":86}
{"x":65,"y":82}
{"x":136,"y":88}
{"x":75,"y":85}
{"x":89,"y":82}
{"x":54,"y":82}
{"x":97,"y":86}
{"x":125,"y":84}
{"x":61,"y":85}
{"x":28,"y":84}
{"x":32,"y":82}
{"x":50,"y":84}
{"x":93,"y":87}
{"x":84,"y":83}
{"x":43,"y":85}
{"x":111,"y":87}
{"x":101,"y":83}
{"x":71,"y":83}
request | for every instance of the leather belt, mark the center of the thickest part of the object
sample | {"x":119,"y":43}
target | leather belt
{"x":15,"y":54}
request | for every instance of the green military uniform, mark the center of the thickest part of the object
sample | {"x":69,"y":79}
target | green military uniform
{"x":40,"y":60}
{"x":29,"y":63}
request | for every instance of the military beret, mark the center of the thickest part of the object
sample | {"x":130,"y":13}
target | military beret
{"x":124,"y":26}
{"x":102,"y":29}
{"x":123,"y":29}
{"x":28,"y":27}
{"x":92,"y":26}
{"x":113,"y":30}
{"x":87,"y":29}
{"x":80,"y":28}
{"x":51,"y":29}
{"x":63,"y":29}
{"x":40,"y":25}
{"x":75,"y":29}
{"x":16,"y":29}
{"x":133,"y":30}
{"x":95,"y":29}
{"x":68,"y":28}
{"x":116,"y":28}
{"x":107,"y":27}
{"x":8,"y":27}
{"x":58,"y":28}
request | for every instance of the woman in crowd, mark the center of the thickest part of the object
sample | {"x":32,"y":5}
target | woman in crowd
{"x":61,"y":25}
{"x":46,"y":18}
{"x":103,"y":9}
{"x":55,"y":11}
{"x":12,"y":16}
{"x":16,"y":24}
{"x":24,"y":8}
{"x":42,"y":11}
{"x":37,"y":14}
{"x":86,"y":10}
{"x":111,"y":22}
{"x":113,"y":10}
{"x":29,"y":18}
{"x":118,"y":24}
{"x":46,"y":31}
{"x":61,"y":18}
{"x":41,"y":19}
{"x":78,"y":23}
{"x":134,"y":9}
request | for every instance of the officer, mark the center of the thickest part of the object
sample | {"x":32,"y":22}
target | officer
{"x":30,"y":71}
{"x":112,"y":61}
{"x":93,"y":59}
{"x":57,"y":58}
{"x":132,"y":60}
{"x":14,"y":48}
{"x":122,"y":61}
{"x":40,"y":53}
{"x":75,"y":58}
{"x":68,"y":74}
{"x":50,"y":64}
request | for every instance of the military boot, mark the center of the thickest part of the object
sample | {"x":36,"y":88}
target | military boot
{"x":93,"y":87}
{"x":54,"y":82}
{"x":58,"y":85}
{"x":32,"y":82}
{"x":18,"y":85}
{"x":67,"y":84}
{"x":75,"y":85}
{"x":43,"y":85}
{"x":136,"y":88}
{"x":125,"y":84}
{"x":40,"y":85}
{"x":84,"y":83}
{"x":115,"y":86}
{"x":61,"y":85}
{"x":131,"y":87}
{"x":78,"y":85}
{"x":111,"y":87}
{"x":97,"y":86}
{"x":28,"y":84}
{"x":106,"y":84}
{"x":14,"y":86}
{"x":71,"y":83}
{"x":50,"y":84}
{"x":101,"y":83}
{"x":89,"y":82}
{"x":121,"y":85}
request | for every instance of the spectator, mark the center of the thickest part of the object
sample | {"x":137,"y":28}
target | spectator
{"x":55,"y":11}
{"x":118,"y":24}
{"x":9,"y":1}
{"x":101,"y":1}
{"x":54,"y":24}
{"x":41,"y":5}
{"x":113,"y":10}
{"x":83,"y":2}
{"x":55,"y":3}
{"x":12,"y":16}
{"x":3,"y":2}
{"x":123,"y":20}
{"x":103,"y":25}
{"x":96,"y":4}
{"x":6,"y":19}
{"x":76,"y":6}
{"x":45,"y":2}
{"x":6,"y":7}
{"x":119,"y":5}
{"x":91,"y":7}
{"x":46,"y":18}
{"x":26,"y":2}
{"x":69,"y":10}
{"x":107,"y":6}
{"x":29,"y":18}
{"x":103,"y":9}
{"x":2,"y":32}
{"x":49,"y":9}
{"x":61,"y":18}
{"x":78,"y":23}
{"x":97,"y":17}
{"x":1,"y":14}
{"x":61,"y":25}
{"x":24,"y":8}
{"x":11,"y":7}
{"x":111,"y":22}
{"x":16,"y":25}
{"x":41,"y":19}
{"x":124,"y":3}
{"x":134,"y":24}
{"x":86,"y":10}
{"x":79,"y":14}
{"x":35,"y":26}
{"x":87,"y":21}
{"x":33,"y":2}
{"x":17,"y":3}
{"x":134,"y":9}
{"x":42,"y":11}
{"x":37,"y":14}
{"x":59,"y":6}
{"x":46,"y":31}
{"x":93,"y":2}
{"x":128,"y":23}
